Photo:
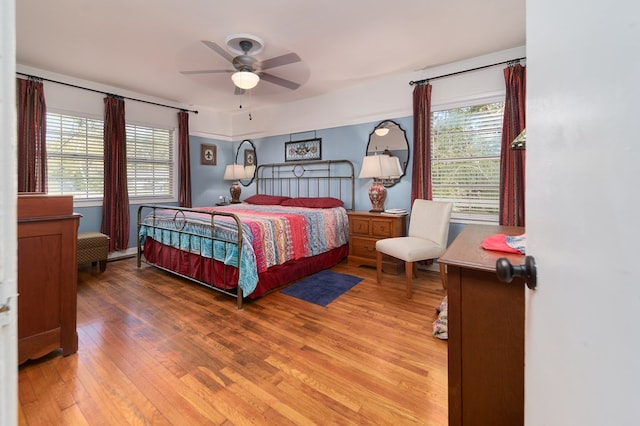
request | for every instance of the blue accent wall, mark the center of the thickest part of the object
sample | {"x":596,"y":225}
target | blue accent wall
{"x":207,"y":183}
{"x":338,"y":143}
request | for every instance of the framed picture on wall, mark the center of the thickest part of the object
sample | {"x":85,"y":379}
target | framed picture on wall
{"x":208,"y":155}
{"x":309,"y":149}
{"x":249,"y":157}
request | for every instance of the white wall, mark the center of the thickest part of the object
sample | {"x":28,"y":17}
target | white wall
{"x":378,"y":100}
{"x":63,"y":98}
{"x":371,"y":101}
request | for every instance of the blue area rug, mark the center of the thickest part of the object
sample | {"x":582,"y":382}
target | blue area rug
{"x":322,"y":287}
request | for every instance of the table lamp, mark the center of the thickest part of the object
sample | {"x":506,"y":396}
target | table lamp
{"x":379,"y":167}
{"x":234,"y":172}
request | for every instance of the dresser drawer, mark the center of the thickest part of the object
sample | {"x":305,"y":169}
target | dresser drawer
{"x":360,"y":226}
{"x":363,"y":247}
{"x":381,"y":228}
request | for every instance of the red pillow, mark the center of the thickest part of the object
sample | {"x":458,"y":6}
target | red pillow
{"x":315,"y":202}
{"x":267,"y":200}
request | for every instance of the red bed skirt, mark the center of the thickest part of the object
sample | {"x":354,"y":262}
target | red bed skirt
{"x":225,"y":277}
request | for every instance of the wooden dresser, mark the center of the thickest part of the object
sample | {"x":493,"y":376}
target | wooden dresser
{"x":486,"y":332}
{"x":47,"y":275}
{"x":365,"y":229}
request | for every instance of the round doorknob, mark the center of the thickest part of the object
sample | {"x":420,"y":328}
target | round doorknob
{"x":506,"y":271}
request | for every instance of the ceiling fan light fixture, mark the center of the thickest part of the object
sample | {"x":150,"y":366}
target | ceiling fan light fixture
{"x":245,"y":79}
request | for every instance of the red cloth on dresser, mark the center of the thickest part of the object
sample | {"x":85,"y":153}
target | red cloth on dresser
{"x":498,"y":242}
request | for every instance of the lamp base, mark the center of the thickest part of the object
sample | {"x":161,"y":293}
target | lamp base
{"x":235,"y":191}
{"x":377,"y":195}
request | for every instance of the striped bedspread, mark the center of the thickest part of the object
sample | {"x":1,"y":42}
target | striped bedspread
{"x":271,"y":235}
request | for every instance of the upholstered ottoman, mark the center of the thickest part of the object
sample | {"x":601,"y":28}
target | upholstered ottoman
{"x":93,"y":247}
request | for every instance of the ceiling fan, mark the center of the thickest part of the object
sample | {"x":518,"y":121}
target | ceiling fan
{"x":248,"y":70}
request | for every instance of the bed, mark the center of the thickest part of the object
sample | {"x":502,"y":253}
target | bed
{"x":294,"y":226}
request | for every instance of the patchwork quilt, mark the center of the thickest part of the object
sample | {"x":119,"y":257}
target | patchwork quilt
{"x":270,"y":235}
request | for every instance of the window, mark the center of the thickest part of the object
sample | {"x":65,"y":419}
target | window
{"x":75,"y":164}
{"x":149,"y":162}
{"x":75,"y":159}
{"x":465,"y":158}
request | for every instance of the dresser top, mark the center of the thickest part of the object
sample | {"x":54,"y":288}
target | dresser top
{"x":466,"y":250}
{"x":38,"y":205}
{"x":373,"y":214}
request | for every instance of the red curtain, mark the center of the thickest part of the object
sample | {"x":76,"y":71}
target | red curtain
{"x":184,"y":195}
{"x":512,"y":162}
{"x":115,"y":203}
{"x":32,"y":136}
{"x":421,"y":177}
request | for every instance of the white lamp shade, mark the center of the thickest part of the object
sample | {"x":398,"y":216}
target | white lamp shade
{"x":380,"y":166}
{"x":371,"y":166}
{"x":382,"y":131}
{"x":393,"y":168}
{"x":234,"y":172}
{"x":245,"y":79}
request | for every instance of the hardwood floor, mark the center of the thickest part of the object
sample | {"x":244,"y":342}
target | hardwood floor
{"x":154,"y":349}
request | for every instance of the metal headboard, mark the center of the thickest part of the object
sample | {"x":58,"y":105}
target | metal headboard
{"x":328,"y":178}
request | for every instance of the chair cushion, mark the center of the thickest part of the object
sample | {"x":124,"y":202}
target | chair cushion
{"x":409,"y":249}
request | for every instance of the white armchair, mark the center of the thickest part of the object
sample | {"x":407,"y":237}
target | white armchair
{"x":427,"y":239}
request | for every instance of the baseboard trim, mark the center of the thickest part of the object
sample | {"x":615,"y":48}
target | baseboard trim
{"x":122,"y":254}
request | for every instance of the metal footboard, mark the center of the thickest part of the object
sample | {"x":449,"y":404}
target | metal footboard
{"x":147,"y":216}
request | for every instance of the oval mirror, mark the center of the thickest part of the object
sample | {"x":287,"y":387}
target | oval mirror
{"x":246,"y":156}
{"x":389,"y":138}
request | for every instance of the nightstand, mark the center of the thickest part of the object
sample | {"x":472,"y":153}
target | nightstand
{"x":365,"y":229}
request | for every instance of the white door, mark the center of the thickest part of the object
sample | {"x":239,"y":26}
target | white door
{"x":582,"y":362}
{"x":8,"y":235}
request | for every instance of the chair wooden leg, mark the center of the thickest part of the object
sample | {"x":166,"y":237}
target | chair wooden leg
{"x":379,"y":267}
{"x":443,"y":275}
{"x":408,"y":268}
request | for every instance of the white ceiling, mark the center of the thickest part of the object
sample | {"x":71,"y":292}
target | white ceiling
{"x":143,"y":45}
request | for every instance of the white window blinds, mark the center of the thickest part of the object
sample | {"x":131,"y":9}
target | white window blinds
{"x":75,"y":163}
{"x":149,"y":162}
{"x":466,"y":159}
{"x":75,"y":159}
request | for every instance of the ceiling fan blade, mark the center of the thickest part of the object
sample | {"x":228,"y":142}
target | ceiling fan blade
{"x":219,"y":50}
{"x":278,"y":61}
{"x":279,"y":81}
{"x":205,"y":72}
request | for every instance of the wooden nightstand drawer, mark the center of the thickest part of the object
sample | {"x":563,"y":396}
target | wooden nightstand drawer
{"x":381,"y":228}
{"x":359,"y":226}
{"x":364,"y":247}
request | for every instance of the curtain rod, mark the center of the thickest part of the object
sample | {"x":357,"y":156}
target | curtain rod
{"x":426,"y":80}
{"x":104,"y":93}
